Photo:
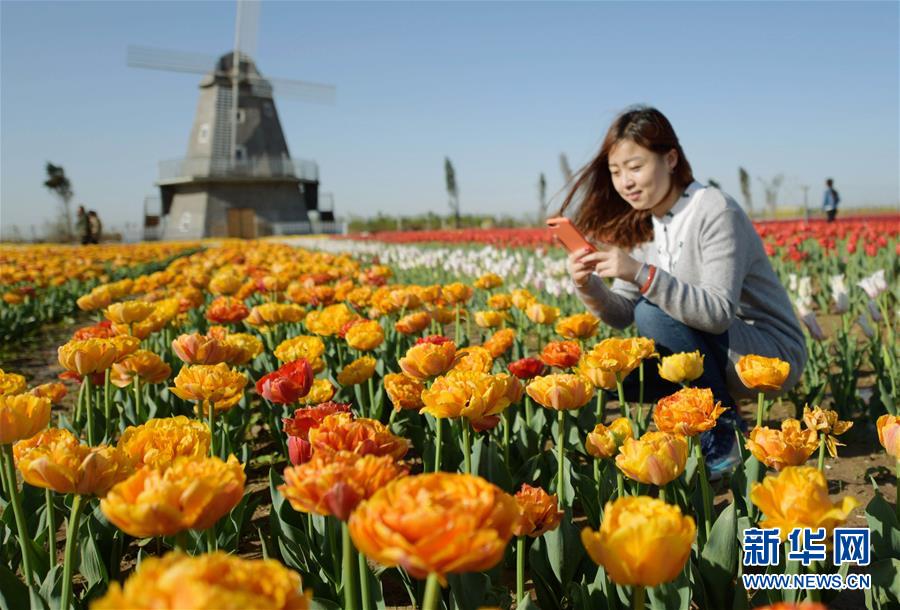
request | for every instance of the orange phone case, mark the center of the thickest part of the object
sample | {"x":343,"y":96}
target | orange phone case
{"x":566,"y":233}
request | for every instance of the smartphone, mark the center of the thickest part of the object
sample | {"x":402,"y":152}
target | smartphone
{"x":570,"y":237}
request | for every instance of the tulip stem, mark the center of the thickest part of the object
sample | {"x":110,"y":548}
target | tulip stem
{"x":51,"y":524}
{"x":641,"y":384}
{"x":560,"y":457}
{"x":821,"y":452}
{"x":348,"y":580}
{"x":372,"y":413}
{"x":456,"y":328}
{"x":392,"y":417}
{"x":438,"y":422}
{"x":212,"y":543}
{"x":897,"y":485}
{"x":9,"y":473}
{"x":601,"y":405}
{"x":107,"y":391}
{"x":622,"y":404}
{"x":704,"y":487}
{"x":65,"y":601}
{"x":507,"y":424}
{"x":211,"y":417}
{"x":432,"y":593}
{"x":181,"y":541}
{"x":138,"y":401}
{"x":467,"y":446}
{"x":528,"y":410}
{"x":79,"y":408}
{"x":637,"y":600}
{"x":620,"y":483}
{"x":364,"y":581}
{"x":520,"y":569}
{"x":597,"y":480}
{"x":88,"y":391}
{"x":760,"y":405}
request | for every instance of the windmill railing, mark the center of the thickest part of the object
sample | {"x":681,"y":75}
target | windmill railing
{"x":257,"y":167}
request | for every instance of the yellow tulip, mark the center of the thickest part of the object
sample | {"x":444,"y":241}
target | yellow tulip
{"x":160,"y":441}
{"x":490,"y":319}
{"x":54,"y":459}
{"x":404,"y":392}
{"x":302,"y":346}
{"x":129,"y":312}
{"x":798,"y":497}
{"x":656,"y":457}
{"x":642,"y":541}
{"x":22,"y":416}
{"x":357,"y":371}
{"x":88,"y":356}
{"x":207,"y":384}
{"x":542,"y":314}
{"x":578,"y":326}
{"x":825,"y":421}
{"x":561,"y":392}
{"x":682,"y":367}
{"x":11,"y":383}
{"x":604,"y":441}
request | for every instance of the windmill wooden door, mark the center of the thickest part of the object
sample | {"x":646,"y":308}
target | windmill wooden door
{"x":242,"y":223}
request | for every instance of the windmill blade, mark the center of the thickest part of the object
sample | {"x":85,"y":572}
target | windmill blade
{"x":166,"y":59}
{"x":318,"y":93}
{"x":247,"y":27}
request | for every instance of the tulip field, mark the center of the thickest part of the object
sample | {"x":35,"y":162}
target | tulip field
{"x":430,"y":420}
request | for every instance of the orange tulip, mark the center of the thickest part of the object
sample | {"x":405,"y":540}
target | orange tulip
{"x":413,"y":323}
{"x":500,"y":342}
{"x":889,"y":434}
{"x":825,"y":421}
{"x":226,"y":310}
{"x":762,"y":374}
{"x":404,"y":392}
{"x":190,"y":494}
{"x":335,"y":483}
{"x":88,"y":356}
{"x":55,"y":392}
{"x":473,"y":359}
{"x":488,"y":281}
{"x":688,"y":412}
{"x":340,"y":432}
{"x":578,"y":326}
{"x":201,"y":349}
{"x":211,"y":580}
{"x":561,"y":354}
{"x":365,"y":336}
{"x":436,"y":523}
{"x":11,"y":383}
{"x":539,"y":512}
{"x":789,"y":446}
{"x":129,"y":312}
{"x":142,"y":363}
{"x":427,"y":360}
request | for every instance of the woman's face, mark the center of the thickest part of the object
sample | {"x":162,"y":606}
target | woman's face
{"x":642,"y":177}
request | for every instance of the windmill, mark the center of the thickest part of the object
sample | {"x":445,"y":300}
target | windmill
{"x":238,"y":178}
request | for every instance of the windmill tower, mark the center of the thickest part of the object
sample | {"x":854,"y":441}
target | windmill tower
{"x":238,"y":178}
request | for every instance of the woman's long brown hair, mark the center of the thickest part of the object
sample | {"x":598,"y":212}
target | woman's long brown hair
{"x":602,"y":213}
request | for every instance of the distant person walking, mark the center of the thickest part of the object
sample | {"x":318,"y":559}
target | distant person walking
{"x":83,"y":226}
{"x":95,"y":226}
{"x":830,"y":200}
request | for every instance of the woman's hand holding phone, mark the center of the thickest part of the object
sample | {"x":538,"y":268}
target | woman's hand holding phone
{"x":605,"y":261}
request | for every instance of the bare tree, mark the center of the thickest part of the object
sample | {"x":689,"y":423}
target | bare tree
{"x":745,"y":189}
{"x":59,"y":184}
{"x":542,"y":198}
{"x":771,"y":189}
{"x":564,"y":167}
{"x":452,"y":190}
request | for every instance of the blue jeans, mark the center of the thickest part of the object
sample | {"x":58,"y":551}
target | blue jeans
{"x":672,"y":336}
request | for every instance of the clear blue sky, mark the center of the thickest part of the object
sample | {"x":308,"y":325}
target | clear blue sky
{"x":808,"y":89}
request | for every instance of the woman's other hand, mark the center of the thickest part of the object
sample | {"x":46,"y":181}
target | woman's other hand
{"x":581,"y":264}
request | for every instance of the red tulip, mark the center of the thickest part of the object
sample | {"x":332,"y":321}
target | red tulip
{"x":526,"y":368}
{"x":290,"y":382}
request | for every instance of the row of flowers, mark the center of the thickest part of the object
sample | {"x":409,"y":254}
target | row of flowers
{"x":422,"y":489}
